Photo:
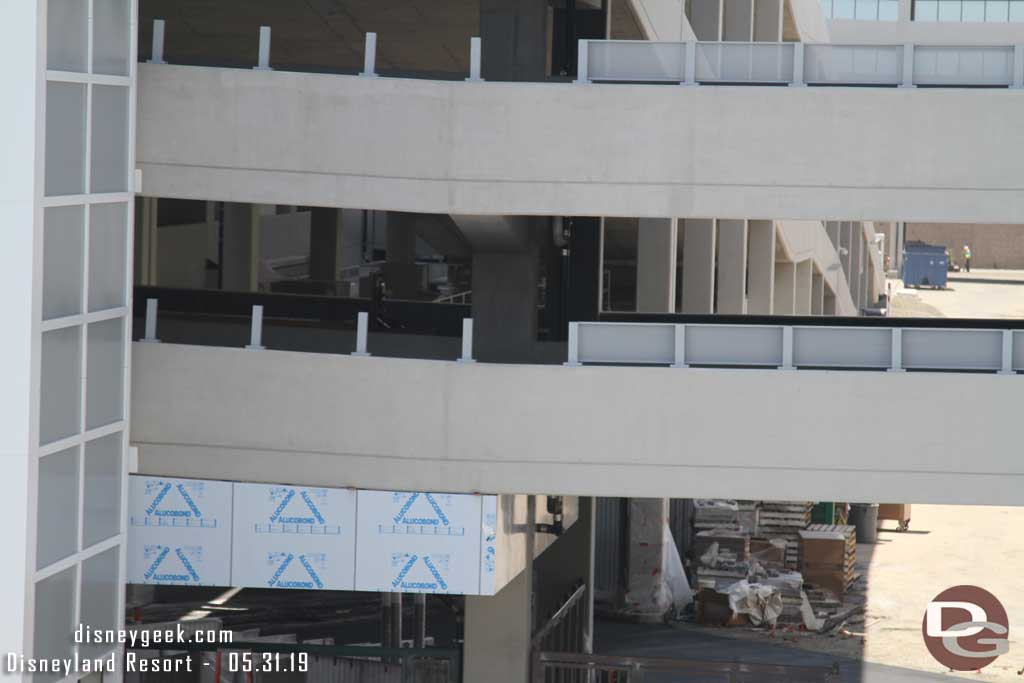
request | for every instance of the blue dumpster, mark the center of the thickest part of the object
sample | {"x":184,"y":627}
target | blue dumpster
{"x":924,"y":265}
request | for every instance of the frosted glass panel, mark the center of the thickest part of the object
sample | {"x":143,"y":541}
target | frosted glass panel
{"x":110,"y":37}
{"x":63,"y":234}
{"x":104,"y":386}
{"x":54,"y":617}
{"x":66,"y":35}
{"x":107,"y":255}
{"x":102,"y":504}
{"x":60,"y":384}
{"x":57,"y":508}
{"x":109,"y":150}
{"x":99,"y":597}
{"x":65,"y":138}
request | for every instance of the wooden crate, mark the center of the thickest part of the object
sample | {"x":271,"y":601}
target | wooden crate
{"x":828,"y":556}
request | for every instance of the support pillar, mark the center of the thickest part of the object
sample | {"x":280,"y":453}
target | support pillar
{"x":768,"y":21}
{"x":400,"y":271}
{"x":738,"y":21}
{"x":146,"y":250}
{"x":901,"y":236}
{"x":829,"y":303}
{"x":505,"y":303}
{"x":648,"y":596}
{"x":699,"y":265}
{"x":656,"y":265}
{"x":785,"y":288}
{"x":732,"y":266}
{"x":817,"y":294}
{"x":498,"y":628}
{"x":905,"y":10}
{"x":845,"y":234}
{"x":761,"y":268}
{"x":514,"y":40}
{"x":420,"y":618}
{"x":706,"y":19}
{"x":804,"y":275}
{"x":323,"y":244}
{"x":241,"y":234}
{"x":856,"y":263}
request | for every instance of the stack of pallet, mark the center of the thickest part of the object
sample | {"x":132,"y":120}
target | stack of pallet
{"x":828,"y":556}
{"x":715,"y":514}
{"x":785,"y":520}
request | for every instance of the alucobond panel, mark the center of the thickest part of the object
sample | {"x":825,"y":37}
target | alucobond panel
{"x":179,"y":531}
{"x":293,"y":537}
{"x":418,"y":542}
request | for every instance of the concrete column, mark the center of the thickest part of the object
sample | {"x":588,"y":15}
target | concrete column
{"x":656,"y":265}
{"x":784,"y":301}
{"x":804,"y":275}
{"x":323,"y":244}
{"x":768,"y":21}
{"x":817,"y":294}
{"x":738,"y":22}
{"x":514,"y":40}
{"x":498,"y":628}
{"x":146,"y":242}
{"x":832,"y":230}
{"x":400,"y":271}
{"x":732,"y":266}
{"x":904,"y":10}
{"x":505,"y":305}
{"x":828,"y":306}
{"x":647,"y":592}
{"x":241,"y":232}
{"x":901,"y":236}
{"x":706,"y":19}
{"x":761,"y":267}
{"x":699,"y":265}
{"x":845,"y":233}
{"x":856,"y":262}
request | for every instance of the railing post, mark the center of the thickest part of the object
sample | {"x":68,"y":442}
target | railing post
{"x":690,"y":68}
{"x":467,"y":341}
{"x":798,"y":66}
{"x":582,"y":61}
{"x":157,"y":56}
{"x":908,"y":66}
{"x":573,"y":346}
{"x":474,"y":59}
{"x":370,"y":56}
{"x":256,"y":332}
{"x":680,"y":351}
{"x":362,"y":325}
{"x":1007,"y":365}
{"x":787,"y":348}
{"x":896,"y":364}
{"x":150,"y":321}
{"x":1018,"y":66}
{"x":263,"y":64}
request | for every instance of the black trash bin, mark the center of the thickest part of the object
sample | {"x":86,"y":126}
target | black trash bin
{"x":864,"y":516}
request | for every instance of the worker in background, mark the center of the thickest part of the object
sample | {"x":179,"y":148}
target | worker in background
{"x":967,"y":258}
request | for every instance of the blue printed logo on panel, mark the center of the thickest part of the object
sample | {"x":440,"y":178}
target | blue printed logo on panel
{"x":419,"y":573}
{"x":421,"y":514}
{"x":169,"y":564}
{"x":490,"y":523}
{"x":297,"y":511}
{"x":296,"y":571}
{"x":174,"y":505}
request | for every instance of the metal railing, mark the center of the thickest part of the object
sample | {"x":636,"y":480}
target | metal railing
{"x":245,"y":661}
{"x":789,"y":347}
{"x":751,"y":63}
{"x":549,"y":666}
{"x":563,"y":632}
{"x":817,"y":64}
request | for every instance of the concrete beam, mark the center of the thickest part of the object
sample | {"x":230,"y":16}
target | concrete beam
{"x":699,"y":265}
{"x":732,"y":266}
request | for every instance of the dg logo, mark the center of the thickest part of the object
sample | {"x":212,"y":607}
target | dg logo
{"x":966,"y":628}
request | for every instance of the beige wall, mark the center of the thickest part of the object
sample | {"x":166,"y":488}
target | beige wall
{"x":992,"y":246}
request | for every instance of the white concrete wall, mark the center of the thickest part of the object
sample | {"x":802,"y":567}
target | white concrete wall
{"x":497,"y":148}
{"x":386,"y":423}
